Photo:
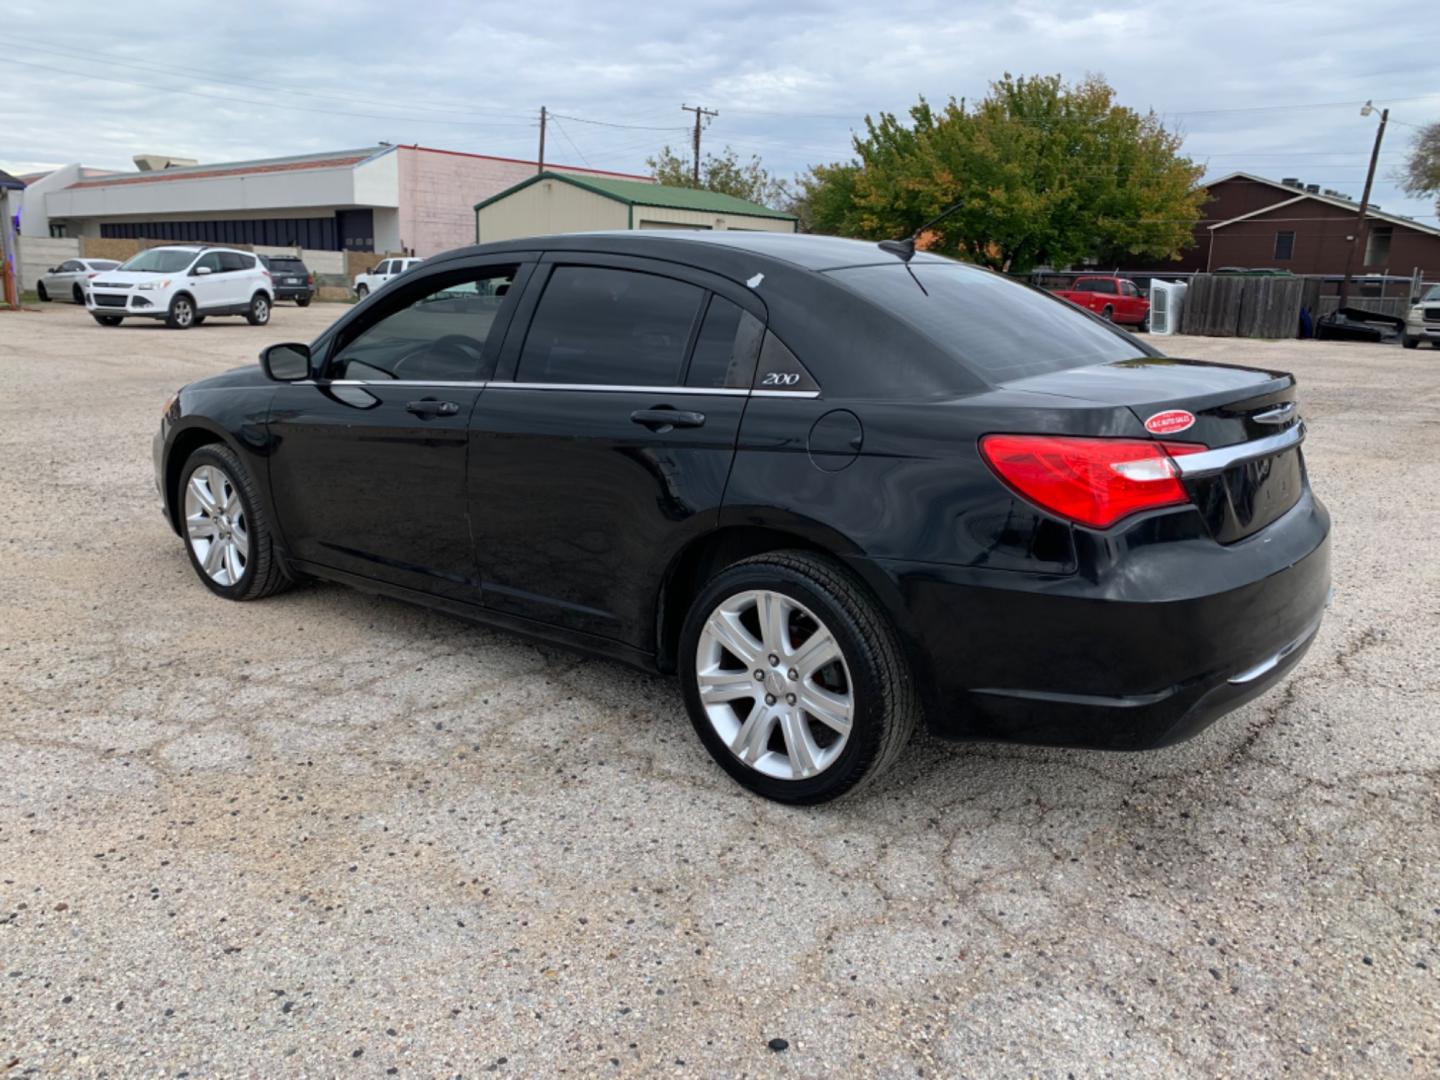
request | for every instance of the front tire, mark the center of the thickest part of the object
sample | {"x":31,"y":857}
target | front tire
{"x":227,"y":536}
{"x":108,"y":320}
{"x":78,"y":295}
{"x":362,"y":291}
{"x":41,"y":293}
{"x":1410,"y":342}
{"x":1108,"y":314}
{"x":259,"y":313}
{"x":182,"y":313}
{"x":794,"y":678}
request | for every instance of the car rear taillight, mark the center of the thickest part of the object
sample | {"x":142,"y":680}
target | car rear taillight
{"x":310,"y":279}
{"x":1093,"y":482}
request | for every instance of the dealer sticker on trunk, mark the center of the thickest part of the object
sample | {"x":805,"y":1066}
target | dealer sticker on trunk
{"x":1169,"y":422}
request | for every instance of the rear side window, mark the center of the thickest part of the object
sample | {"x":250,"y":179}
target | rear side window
{"x":232,"y":260}
{"x":1101,"y":286}
{"x":725,"y":347}
{"x":595,"y":325}
{"x":999,"y":329}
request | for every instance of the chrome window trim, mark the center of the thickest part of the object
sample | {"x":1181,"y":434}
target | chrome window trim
{"x":605,"y":388}
{"x":1214,"y":461}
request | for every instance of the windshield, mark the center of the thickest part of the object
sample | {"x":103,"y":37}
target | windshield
{"x":998,"y":328}
{"x":160,"y":261}
{"x":1433,"y":295}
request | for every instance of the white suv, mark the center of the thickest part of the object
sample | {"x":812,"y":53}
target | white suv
{"x":380,"y":275}
{"x":183,"y":284}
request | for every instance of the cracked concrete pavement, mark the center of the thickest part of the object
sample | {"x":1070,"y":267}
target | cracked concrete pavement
{"x":331,"y":834}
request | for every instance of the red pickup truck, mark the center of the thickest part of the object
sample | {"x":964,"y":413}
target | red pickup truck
{"x":1113,"y":298}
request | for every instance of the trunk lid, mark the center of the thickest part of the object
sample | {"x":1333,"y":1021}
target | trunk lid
{"x":1251,"y":411}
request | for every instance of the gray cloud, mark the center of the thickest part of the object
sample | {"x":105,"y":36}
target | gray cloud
{"x":98,"y":83}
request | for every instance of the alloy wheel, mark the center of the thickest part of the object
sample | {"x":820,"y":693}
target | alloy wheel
{"x":184,"y":312}
{"x":215,"y":525}
{"x":774,"y":684}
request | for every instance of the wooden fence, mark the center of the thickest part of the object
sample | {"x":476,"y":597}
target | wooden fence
{"x":1231,"y":305}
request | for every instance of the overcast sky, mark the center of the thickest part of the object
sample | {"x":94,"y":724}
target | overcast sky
{"x":98,"y":83}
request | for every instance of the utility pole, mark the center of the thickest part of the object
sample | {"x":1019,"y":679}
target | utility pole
{"x":701,"y":114}
{"x":541,"y":163}
{"x":1364,"y":201}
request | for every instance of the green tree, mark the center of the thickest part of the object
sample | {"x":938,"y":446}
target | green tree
{"x":1047,"y":173}
{"x":1421,"y":173}
{"x":724,"y":172}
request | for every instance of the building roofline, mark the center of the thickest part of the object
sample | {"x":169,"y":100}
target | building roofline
{"x":1316,"y":196}
{"x":583,"y":169}
{"x":659,"y":203}
{"x":1302,"y":196}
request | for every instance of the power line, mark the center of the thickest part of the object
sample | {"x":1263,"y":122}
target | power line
{"x":702,"y":114}
{"x":561,"y":128}
{"x":628,"y":127}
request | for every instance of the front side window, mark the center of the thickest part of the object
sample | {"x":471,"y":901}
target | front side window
{"x":209,"y":261}
{"x":70,"y":267}
{"x":599,"y":326}
{"x":1127,"y":288}
{"x":383,"y":268}
{"x":441,"y":337}
{"x":159,"y":261}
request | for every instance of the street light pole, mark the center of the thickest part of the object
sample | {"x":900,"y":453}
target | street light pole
{"x":1366,"y":110}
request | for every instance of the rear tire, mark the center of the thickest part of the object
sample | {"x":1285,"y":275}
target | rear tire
{"x":219,"y":506}
{"x":78,"y":295}
{"x":1410,"y":342}
{"x":784,"y":750}
{"x":302,"y":301}
{"x":41,"y":293}
{"x":259,"y":313}
{"x":109,"y":320}
{"x":182,"y":313}
{"x":1108,"y":314}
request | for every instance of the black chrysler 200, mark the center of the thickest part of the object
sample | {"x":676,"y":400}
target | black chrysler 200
{"x":836,"y":491}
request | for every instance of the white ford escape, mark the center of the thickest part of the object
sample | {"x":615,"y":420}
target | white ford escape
{"x":183,"y":284}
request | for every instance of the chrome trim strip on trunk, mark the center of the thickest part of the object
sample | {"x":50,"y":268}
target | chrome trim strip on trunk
{"x":1278,"y":415}
{"x":1210,"y":462}
{"x":602,"y":388}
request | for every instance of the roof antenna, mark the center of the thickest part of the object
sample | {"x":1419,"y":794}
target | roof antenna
{"x":905,"y":249}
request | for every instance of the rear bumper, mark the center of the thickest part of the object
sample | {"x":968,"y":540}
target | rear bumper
{"x":1118,"y":665}
{"x":293,"y":292}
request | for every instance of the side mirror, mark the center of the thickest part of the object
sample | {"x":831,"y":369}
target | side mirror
{"x":201,"y":270}
{"x":288,"y":362}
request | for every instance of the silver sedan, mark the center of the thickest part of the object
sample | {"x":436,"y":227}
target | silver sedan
{"x":68,"y":280}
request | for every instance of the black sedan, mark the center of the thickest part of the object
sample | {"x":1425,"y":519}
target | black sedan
{"x":838,"y":491}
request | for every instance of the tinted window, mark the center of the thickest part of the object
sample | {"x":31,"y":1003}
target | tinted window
{"x":1101,"y":287}
{"x":999,"y":329}
{"x":233,"y":260}
{"x":103,"y":264}
{"x":726,"y":346}
{"x":440,"y":337}
{"x":70,"y":266}
{"x":596,"y":325}
{"x":160,"y":261}
{"x":284,"y":266}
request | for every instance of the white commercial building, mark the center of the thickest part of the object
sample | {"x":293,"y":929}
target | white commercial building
{"x":379,"y":198}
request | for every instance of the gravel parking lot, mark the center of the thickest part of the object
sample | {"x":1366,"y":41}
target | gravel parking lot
{"x":331,"y":833}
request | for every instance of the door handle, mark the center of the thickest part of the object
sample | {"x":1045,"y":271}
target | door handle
{"x":431,"y":407}
{"x":665,"y":418}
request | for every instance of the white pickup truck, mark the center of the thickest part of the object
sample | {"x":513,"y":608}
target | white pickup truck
{"x":381,"y":274}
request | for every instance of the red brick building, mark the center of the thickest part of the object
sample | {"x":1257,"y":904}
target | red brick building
{"x":1254,"y":222}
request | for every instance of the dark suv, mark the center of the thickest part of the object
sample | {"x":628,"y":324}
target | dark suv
{"x":837,"y":491}
{"x":293,"y":279}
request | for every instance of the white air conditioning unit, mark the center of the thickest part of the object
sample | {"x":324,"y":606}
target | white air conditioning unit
{"x":1167,"y":303}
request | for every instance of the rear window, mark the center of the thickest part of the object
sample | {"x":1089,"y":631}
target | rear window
{"x":1001,"y":330}
{"x":285,"y":264}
